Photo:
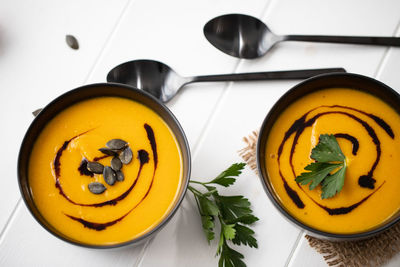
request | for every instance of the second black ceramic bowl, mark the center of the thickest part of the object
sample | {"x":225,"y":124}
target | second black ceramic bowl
{"x":339,"y":80}
{"x":80,"y":94}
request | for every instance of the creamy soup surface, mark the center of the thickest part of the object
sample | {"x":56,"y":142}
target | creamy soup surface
{"x":128,"y":209}
{"x":367,"y":130}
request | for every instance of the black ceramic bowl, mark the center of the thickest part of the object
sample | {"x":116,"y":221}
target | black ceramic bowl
{"x":87,"y":92}
{"x":335,"y":80}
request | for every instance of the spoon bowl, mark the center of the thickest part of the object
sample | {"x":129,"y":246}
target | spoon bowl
{"x":247,"y":37}
{"x":154,"y":77}
{"x":240,"y":35}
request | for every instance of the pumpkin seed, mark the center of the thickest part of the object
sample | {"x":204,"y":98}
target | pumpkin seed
{"x":36,"y":112}
{"x":120,"y":176}
{"x":72,"y":42}
{"x":95,"y":167}
{"x":116,"y":164}
{"x":117,"y":144}
{"x":109,"y":175}
{"x":83,"y":170}
{"x":96,"y":188}
{"x":108,"y":151}
{"x":126,"y":155}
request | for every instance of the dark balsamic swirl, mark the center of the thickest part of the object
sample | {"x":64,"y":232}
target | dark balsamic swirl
{"x":153,"y":144}
{"x":57,"y":163}
{"x":345,"y":210}
{"x":367,"y":180}
{"x":386,"y":127}
{"x":94,"y":225}
{"x":143,"y":157}
{"x":83,"y":165}
{"x":352,"y":139}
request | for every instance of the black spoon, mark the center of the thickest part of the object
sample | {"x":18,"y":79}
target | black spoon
{"x":162,"y":82}
{"x":244,"y":36}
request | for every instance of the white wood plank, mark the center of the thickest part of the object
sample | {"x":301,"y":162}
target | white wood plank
{"x":166,"y":36}
{"x":239,"y":114}
{"x":242,"y":109}
{"x":367,"y":61}
{"x":36,"y":65}
{"x":333,"y":17}
{"x":31,"y":245}
{"x":389,"y":72}
{"x":189,"y":54}
{"x":172,"y":32}
{"x":305,"y":256}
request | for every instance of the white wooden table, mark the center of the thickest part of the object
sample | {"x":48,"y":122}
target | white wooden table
{"x":36,"y":65}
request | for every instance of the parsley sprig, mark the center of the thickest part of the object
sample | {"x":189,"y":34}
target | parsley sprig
{"x":232,"y":212}
{"x":328,"y":158}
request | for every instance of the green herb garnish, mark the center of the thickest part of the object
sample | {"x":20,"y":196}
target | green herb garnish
{"x":232,"y":212}
{"x":329,"y":158}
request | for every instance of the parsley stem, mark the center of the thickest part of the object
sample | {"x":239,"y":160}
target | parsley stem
{"x":203,"y":184}
{"x":195,"y":194}
{"x":198,"y":206}
{"x":210,"y":192}
{"x":222,"y":239}
{"x":230,"y":211}
{"x":196,"y":182}
{"x":195,"y":191}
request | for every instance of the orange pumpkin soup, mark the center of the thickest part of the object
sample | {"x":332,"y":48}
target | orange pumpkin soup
{"x":122,"y":210}
{"x":367,"y":130}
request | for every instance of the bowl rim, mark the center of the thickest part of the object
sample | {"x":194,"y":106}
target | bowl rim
{"x":264,"y":133}
{"x":185,"y":173}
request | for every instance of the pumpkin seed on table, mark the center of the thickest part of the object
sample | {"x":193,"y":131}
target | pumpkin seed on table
{"x":96,"y":188}
{"x":109,"y":175}
{"x":117,"y":144}
{"x":95,"y":167}
{"x":126,"y":155}
{"x":72,"y":41}
{"x":108,"y":151}
{"x":36,"y":112}
{"x":116,"y":164}
{"x":120,"y":176}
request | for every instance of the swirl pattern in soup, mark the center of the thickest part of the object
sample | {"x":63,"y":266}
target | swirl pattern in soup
{"x":367,"y":131}
{"x":59,"y":180}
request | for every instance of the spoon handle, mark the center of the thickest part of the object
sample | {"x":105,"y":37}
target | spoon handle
{"x":368,"y":40}
{"x":268,"y":75}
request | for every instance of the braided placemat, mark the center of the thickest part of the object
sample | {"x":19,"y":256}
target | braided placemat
{"x":373,"y":251}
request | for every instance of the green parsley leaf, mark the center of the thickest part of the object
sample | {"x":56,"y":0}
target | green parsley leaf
{"x":231,"y":211}
{"x":208,"y":227}
{"x":246,"y":219}
{"x":230,"y":257}
{"x":207,"y":206}
{"x":229,"y":231}
{"x":232,"y":207}
{"x":329,"y":158}
{"x":244,"y":235}
{"x":327,"y":150}
{"x":333,"y":183}
{"x":318,"y":172}
{"x":225,"y":178}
